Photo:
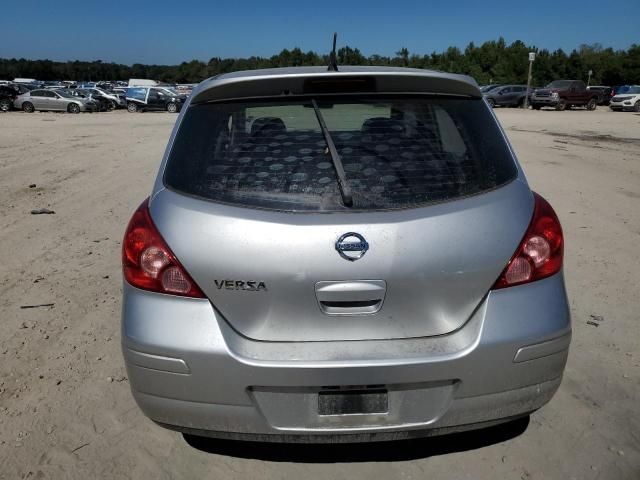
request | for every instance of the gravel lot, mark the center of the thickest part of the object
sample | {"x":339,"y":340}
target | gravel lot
{"x":65,"y":407}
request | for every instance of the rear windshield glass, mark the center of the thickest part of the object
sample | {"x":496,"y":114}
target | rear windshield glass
{"x":396,"y":152}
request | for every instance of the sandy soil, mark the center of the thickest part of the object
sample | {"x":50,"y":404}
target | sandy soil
{"x":65,"y":407}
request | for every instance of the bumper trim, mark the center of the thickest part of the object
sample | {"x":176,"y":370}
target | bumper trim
{"x":543,"y":349}
{"x":156,"y":362}
{"x":340,"y":438}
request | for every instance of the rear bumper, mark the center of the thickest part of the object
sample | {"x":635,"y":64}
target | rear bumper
{"x":190,"y":371}
{"x":462,"y":415}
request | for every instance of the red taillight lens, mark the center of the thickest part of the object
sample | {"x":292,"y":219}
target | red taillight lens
{"x":540,"y":252}
{"x":147,"y":261}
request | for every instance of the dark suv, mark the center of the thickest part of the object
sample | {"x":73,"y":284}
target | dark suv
{"x":153,"y":98}
{"x":562,"y":94}
{"x":507,"y":96}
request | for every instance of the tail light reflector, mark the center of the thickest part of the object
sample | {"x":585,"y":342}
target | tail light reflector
{"x":540,"y":253}
{"x":147,"y":261}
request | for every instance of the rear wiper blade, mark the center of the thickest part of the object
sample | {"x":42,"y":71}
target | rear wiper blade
{"x":345,"y":190}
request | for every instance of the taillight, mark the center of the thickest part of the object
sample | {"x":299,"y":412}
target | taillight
{"x":147,"y":261}
{"x":539,"y":255}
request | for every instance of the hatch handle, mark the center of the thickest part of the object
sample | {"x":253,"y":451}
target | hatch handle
{"x":351,"y":297}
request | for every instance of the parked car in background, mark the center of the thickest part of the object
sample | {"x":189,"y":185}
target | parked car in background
{"x":562,"y":94}
{"x":121,"y":98}
{"x":604,"y":93}
{"x":293,"y":276}
{"x":117,"y":100}
{"x":507,"y":96}
{"x":52,"y":100}
{"x":107,"y":86}
{"x":621,"y":89}
{"x":488,"y":88}
{"x":153,"y":98}
{"x":22,"y":88}
{"x":54,"y":85}
{"x":627,"y":101}
{"x":104,"y":104}
{"x":185,"y":88}
{"x":8,"y":95}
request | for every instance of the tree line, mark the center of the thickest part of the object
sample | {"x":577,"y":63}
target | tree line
{"x":491,"y":62}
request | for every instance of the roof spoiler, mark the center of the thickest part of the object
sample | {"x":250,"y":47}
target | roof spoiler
{"x":276,"y":84}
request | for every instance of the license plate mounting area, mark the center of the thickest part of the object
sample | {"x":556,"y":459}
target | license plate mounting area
{"x":353,"y":402}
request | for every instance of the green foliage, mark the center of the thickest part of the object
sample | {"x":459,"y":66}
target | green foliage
{"x":491,"y":62}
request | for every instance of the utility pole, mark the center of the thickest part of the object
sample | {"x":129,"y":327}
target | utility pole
{"x":589,"y":78}
{"x":532,"y":57}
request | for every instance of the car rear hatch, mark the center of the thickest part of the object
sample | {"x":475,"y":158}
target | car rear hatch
{"x":254,"y":210}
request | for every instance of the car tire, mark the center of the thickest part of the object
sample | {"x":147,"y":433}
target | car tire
{"x":73,"y":108}
{"x":132,"y":107}
{"x":172,"y":107}
{"x":520,"y":103}
{"x":5,"y":105}
{"x":561,"y":105}
{"x":111,"y":106}
{"x":536,"y":107}
{"x":592,"y":104}
{"x":28,"y":107}
{"x":636,"y":106}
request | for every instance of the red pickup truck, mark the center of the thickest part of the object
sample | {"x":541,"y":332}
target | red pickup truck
{"x":563,"y":94}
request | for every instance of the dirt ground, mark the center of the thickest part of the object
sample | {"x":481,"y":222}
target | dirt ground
{"x":65,"y":407}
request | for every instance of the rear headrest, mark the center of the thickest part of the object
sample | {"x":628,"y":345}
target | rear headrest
{"x":268,"y":125}
{"x":382,"y":126}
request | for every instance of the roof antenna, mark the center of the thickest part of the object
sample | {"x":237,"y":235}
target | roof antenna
{"x":333,"y":59}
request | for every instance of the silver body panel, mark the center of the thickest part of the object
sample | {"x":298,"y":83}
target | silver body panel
{"x":452,"y":353}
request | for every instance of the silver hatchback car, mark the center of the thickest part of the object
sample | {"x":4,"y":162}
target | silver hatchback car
{"x":341,"y":256}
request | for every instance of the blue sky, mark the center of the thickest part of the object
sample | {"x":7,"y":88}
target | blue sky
{"x":172,"y":32}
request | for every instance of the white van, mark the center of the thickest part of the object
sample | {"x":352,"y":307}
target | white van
{"x":24,"y":80}
{"x":142,"y":82}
